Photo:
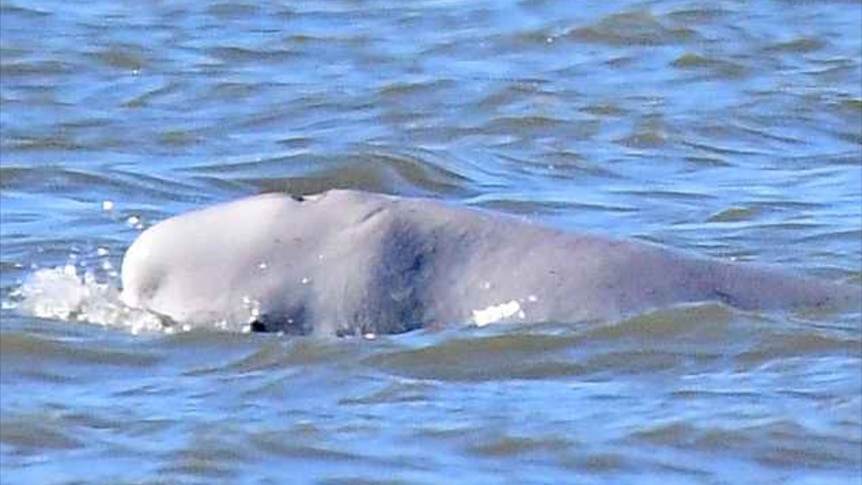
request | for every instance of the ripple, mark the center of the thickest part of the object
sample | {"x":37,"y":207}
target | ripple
{"x":735,"y":214}
{"x":406,"y":173}
{"x":634,"y":28}
{"x":34,"y":434}
{"x":18,"y":348}
{"x":500,"y":357}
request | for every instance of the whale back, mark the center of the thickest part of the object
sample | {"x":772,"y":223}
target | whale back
{"x":351,"y":262}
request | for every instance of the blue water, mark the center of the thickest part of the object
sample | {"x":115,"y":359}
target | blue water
{"x":727,"y":129}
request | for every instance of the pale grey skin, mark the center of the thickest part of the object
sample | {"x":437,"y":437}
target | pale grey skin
{"x":354,"y":262}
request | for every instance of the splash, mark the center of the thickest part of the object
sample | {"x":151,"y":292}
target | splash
{"x":86,"y":293}
{"x":70,"y":293}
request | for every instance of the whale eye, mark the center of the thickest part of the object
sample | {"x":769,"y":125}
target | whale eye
{"x":295,"y":324}
{"x":297,"y":198}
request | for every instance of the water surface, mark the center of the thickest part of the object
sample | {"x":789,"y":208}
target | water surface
{"x":728,"y":129}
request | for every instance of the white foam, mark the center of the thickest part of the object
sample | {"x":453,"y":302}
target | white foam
{"x":135,"y":222}
{"x":87,"y":290}
{"x":71,"y":294}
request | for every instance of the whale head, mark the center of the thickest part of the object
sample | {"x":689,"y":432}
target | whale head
{"x":229,"y":263}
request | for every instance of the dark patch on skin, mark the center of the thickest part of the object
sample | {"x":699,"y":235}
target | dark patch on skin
{"x":418,"y":262}
{"x":390,"y":296}
{"x":297,"y":198}
{"x":413,"y":307}
{"x":408,"y":275}
{"x":725,"y":298}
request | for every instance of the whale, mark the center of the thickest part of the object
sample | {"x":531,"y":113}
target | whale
{"x":347,"y":262}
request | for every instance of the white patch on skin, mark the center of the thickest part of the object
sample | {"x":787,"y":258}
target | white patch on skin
{"x":496,"y":313}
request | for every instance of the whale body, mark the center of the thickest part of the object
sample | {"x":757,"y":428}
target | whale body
{"x":353,"y":262}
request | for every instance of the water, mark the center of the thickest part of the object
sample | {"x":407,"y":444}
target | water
{"x":728,"y":129}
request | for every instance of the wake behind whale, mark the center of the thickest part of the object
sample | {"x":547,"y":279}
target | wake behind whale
{"x":353,"y":262}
